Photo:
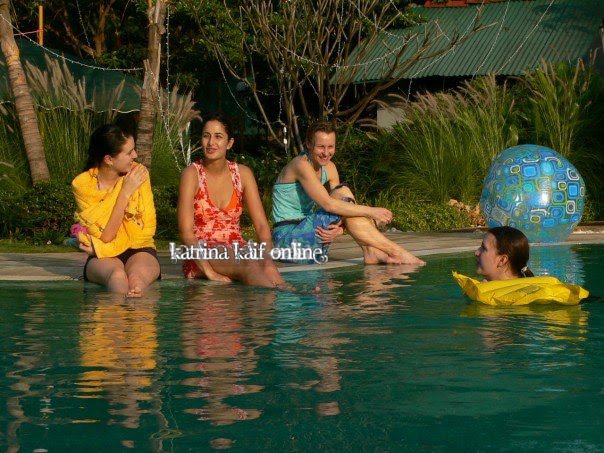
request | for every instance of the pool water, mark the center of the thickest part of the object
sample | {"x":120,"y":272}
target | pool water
{"x":379,"y":360}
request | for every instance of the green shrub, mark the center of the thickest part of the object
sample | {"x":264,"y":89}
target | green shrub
{"x":166,"y":202}
{"x":412,"y":214}
{"x":445,"y":142}
{"x":42,"y":214}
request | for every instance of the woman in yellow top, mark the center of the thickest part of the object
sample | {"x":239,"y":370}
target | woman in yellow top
{"x":115,"y":205}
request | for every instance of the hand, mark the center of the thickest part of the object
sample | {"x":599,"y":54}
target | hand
{"x":381,"y":215}
{"x":134,"y":179}
{"x":327,"y":235}
{"x":87,"y":248}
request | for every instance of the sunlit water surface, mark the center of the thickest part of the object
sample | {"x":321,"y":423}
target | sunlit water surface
{"x":379,"y":360}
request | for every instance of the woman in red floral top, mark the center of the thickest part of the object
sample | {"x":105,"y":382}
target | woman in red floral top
{"x":212,"y":193}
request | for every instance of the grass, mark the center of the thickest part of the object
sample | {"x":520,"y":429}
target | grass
{"x":19,"y":246}
{"x":23,"y":246}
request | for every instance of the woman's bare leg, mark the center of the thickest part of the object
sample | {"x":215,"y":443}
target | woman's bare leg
{"x":142,"y":269}
{"x":376,"y":247}
{"x":108,"y":272}
{"x":251,"y":272}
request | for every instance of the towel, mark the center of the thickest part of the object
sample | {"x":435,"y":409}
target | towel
{"x":95,"y":207}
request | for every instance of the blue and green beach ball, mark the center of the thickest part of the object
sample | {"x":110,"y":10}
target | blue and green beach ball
{"x":534,"y":189}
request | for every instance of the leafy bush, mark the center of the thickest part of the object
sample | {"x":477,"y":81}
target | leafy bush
{"x":166,"y":202}
{"x":41,"y":214}
{"x":412,"y":214}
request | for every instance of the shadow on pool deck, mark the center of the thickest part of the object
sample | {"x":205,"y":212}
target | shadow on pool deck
{"x":344,"y":252}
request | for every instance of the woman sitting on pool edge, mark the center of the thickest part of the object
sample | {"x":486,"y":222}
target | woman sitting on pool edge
{"x":210,"y":203}
{"x":503,"y":254}
{"x":115,"y":205}
{"x":300,"y":189}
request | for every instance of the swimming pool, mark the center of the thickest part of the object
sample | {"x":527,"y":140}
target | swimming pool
{"x":379,"y":360}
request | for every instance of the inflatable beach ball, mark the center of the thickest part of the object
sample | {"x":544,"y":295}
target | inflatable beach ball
{"x":534,"y":189}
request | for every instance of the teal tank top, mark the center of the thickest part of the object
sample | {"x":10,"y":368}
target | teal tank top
{"x":290,"y":201}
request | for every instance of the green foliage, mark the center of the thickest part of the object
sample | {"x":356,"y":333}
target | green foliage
{"x":562,"y":107}
{"x":266,"y":164}
{"x":166,"y":202}
{"x":42,"y":214}
{"x":558,"y":104}
{"x":412,"y":214}
{"x":14,"y":168}
{"x":172,"y":138}
{"x":358,"y":162}
{"x":445,"y":142}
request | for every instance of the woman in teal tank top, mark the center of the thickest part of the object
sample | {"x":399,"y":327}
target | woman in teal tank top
{"x":307,"y":213}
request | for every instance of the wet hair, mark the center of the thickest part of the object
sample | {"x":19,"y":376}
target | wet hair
{"x":318,"y":126}
{"x":222,"y":119}
{"x":515,"y":245}
{"x":105,"y":140}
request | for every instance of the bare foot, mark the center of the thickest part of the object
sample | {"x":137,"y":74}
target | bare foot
{"x":134,"y":292}
{"x":372,"y":255}
{"x":406,"y":257}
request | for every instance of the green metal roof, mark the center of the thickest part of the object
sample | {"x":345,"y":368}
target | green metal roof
{"x":100,"y":82}
{"x":517,"y":35}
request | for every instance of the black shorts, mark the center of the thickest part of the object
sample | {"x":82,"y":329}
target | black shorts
{"x":125,"y":256}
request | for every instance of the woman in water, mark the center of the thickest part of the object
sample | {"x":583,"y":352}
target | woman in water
{"x":115,"y":205}
{"x":213,"y":192}
{"x":503,"y":254}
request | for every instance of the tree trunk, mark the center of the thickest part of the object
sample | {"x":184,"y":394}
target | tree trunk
{"x":24,"y":106}
{"x":150,"y":92}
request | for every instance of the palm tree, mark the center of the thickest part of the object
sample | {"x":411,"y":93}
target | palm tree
{"x":24,"y":105}
{"x":149,"y":95}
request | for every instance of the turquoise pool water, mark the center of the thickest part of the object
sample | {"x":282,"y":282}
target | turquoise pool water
{"x":380,"y":360}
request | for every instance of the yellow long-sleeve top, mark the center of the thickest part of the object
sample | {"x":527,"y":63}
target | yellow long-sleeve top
{"x":95,"y":207}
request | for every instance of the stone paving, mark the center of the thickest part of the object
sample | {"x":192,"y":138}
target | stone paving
{"x":344,"y":252}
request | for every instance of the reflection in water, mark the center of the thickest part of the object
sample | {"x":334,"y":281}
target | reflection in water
{"x":118,"y":343}
{"x":32,"y":350}
{"x":561,"y":262}
{"x":221,"y":332}
{"x":377,"y":290}
{"x":502,"y":324}
{"x":310,"y":330}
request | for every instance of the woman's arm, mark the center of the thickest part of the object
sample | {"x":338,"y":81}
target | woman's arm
{"x":305,"y":175}
{"x":253,"y":204}
{"x":186,"y":215}
{"x":132,"y":181}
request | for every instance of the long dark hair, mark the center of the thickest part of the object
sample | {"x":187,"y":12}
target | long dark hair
{"x":222,"y":119}
{"x":515,"y":245}
{"x":105,"y":140}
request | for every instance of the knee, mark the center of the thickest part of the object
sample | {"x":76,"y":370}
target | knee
{"x":118,"y":276}
{"x":342,"y":192}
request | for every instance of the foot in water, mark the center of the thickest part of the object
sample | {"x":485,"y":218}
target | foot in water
{"x":134,"y":292}
{"x":371,"y":255}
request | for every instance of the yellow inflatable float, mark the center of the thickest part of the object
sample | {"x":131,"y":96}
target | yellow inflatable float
{"x":521,"y":291}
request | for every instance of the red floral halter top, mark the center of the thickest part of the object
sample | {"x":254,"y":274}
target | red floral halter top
{"x":211,"y":224}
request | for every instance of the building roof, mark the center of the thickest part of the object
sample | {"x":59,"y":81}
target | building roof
{"x":515,"y":36}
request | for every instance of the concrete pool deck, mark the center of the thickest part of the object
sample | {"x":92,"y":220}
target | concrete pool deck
{"x":344,"y":252}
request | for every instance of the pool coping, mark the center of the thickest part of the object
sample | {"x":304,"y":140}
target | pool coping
{"x":18,"y":267}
